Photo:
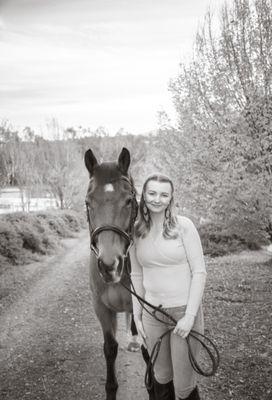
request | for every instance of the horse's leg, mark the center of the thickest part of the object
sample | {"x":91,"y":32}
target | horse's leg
{"x":108,"y":322}
{"x":110,"y":351}
{"x":133,"y":343}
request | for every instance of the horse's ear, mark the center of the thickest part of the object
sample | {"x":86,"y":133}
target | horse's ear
{"x":90,"y":161}
{"x":124,"y":160}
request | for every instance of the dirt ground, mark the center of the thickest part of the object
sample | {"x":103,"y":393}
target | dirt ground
{"x":50,"y":340}
{"x":51,"y":343}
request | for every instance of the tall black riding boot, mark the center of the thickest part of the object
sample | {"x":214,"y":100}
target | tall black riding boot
{"x":164,"y":391}
{"x":194,"y":395}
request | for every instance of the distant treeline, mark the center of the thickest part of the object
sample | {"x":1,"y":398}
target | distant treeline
{"x":30,"y":162}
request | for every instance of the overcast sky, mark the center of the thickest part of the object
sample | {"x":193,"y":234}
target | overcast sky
{"x":93,"y":62}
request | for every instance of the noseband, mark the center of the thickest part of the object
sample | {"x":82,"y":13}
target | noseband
{"x":128,"y":236}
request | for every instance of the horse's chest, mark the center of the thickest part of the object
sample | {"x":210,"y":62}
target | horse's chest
{"x":117,"y":298}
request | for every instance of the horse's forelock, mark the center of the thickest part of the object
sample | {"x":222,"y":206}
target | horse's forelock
{"x":107,"y":172}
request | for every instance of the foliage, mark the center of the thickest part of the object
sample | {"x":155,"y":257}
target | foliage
{"x":218,"y":240}
{"x":59,"y":163}
{"x":108,"y":148}
{"x":23,"y":235}
{"x":10,"y":243}
{"x":220,"y":150}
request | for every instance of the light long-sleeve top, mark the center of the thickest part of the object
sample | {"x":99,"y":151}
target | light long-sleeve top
{"x":169,"y":272}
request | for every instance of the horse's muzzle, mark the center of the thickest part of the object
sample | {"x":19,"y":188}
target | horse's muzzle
{"x":111,"y":273}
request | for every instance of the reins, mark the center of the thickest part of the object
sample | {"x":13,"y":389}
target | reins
{"x":209,"y":346}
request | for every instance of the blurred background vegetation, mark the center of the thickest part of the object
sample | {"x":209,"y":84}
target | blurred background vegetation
{"x":218,"y":151}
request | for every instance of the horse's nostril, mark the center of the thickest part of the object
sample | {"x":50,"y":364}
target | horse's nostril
{"x":114,"y":266}
{"x":111,"y":272}
{"x":107,"y":266}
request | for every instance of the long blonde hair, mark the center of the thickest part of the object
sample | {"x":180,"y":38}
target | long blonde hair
{"x":170,"y":225}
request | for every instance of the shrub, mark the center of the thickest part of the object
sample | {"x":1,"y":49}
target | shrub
{"x":10,"y":242}
{"x":73,"y":220}
{"x":30,"y":230}
{"x":218,"y":240}
{"x":56,"y":224}
{"x":3,"y":262}
{"x":23,"y":234}
{"x":32,"y":242}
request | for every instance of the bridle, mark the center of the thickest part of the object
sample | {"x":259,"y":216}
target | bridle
{"x":127,"y":235}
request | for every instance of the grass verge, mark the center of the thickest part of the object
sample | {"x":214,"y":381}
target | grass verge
{"x":237,"y":308}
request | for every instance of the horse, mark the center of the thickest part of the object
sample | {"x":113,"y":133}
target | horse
{"x":111,"y":211}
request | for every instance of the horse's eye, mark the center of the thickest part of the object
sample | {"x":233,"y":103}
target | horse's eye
{"x":89,"y":204}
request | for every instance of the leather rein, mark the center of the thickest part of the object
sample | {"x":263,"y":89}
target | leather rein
{"x":207,"y":344}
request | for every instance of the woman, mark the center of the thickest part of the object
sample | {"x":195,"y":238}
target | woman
{"x":168,"y":269}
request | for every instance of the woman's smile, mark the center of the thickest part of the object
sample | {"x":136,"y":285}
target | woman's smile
{"x":156,"y":206}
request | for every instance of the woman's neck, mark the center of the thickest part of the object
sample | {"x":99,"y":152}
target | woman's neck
{"x":157,"y":220}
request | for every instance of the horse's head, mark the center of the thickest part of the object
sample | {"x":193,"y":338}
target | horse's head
{"x":111,"y":210}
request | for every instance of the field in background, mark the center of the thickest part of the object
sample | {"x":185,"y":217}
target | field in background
{"x":12,"y":199}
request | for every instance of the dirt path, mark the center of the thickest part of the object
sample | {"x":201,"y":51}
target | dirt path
{"x":51,"y":344}
{"x":50,"y":340}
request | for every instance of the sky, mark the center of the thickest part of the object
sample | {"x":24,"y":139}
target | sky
{"x":93,"y":63}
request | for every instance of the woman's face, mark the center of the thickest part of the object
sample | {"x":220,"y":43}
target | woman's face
{"x":157,"y":196}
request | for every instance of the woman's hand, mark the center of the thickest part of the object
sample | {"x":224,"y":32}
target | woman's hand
{"x":140,"y":329}
{"x":184,"y":325}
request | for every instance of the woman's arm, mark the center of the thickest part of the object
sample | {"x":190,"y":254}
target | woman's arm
{"x":194,"y":253}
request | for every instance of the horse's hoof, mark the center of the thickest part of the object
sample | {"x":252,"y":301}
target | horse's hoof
{"x":134,"y":346}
